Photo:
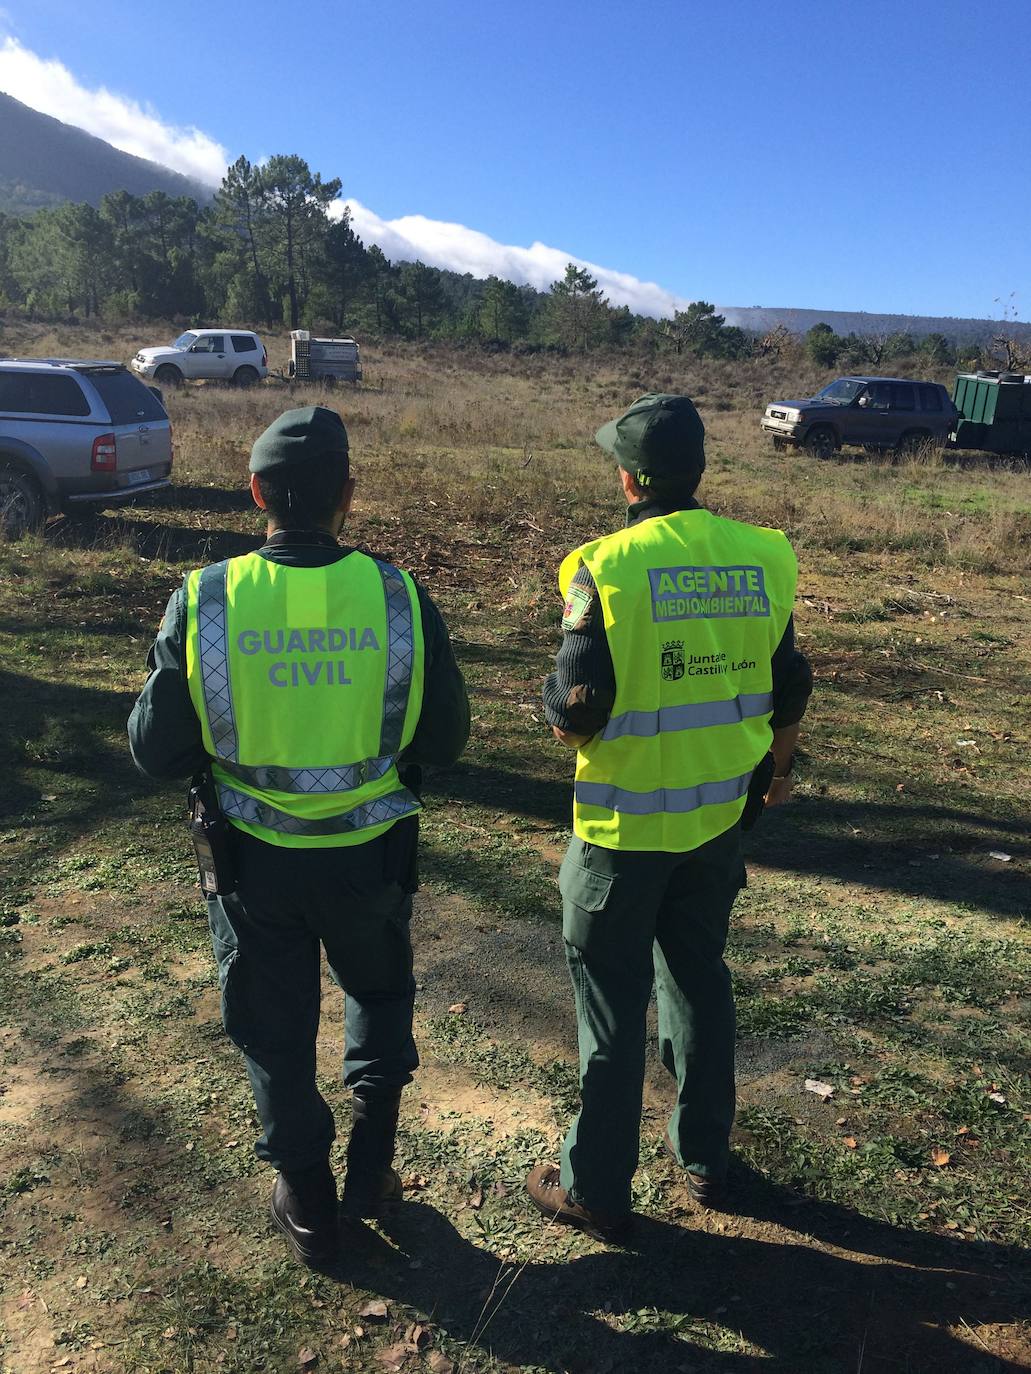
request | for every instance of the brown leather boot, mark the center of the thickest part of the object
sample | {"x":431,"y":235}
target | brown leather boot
{"x":372,"y":1185}
{"x":707,"y":1192}
{"x":304,"y":1208}
{"x":548,"y":1196}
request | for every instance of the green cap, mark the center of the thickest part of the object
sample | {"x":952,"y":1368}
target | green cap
{"x":299,"y":436}
{"x":660,"y":438}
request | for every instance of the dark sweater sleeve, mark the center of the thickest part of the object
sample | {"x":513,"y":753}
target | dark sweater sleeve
{"x":164,"y":733}
{"x":443,"y":727}
{"x":792,"y":680}
{"x":579,"y":694}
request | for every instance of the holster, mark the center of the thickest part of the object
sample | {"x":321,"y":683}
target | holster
{"x":401,"y":842}
{"x":755,"y":801}
{"x":401,"y":854}
{"x":210,"y":833}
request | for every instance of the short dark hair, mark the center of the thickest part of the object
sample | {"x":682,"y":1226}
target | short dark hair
{"x":305,"y":494}
{"x":675,"y":492}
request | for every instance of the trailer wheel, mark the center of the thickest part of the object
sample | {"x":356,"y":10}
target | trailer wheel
{"x":913,"y":441}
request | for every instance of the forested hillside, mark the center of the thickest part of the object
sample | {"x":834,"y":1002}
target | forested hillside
{"x":274,"y":245}
{"x":45,"y":162}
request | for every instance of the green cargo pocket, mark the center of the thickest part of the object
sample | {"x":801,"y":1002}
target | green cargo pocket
{"x":582,"y":887}
{"x":593,"y":917}
{"x":227,"y":957}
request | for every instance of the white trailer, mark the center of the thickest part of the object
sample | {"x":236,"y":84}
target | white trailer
{"x":324,"y":360}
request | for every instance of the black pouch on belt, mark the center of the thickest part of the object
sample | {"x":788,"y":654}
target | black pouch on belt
{"x":209,"y":831}
{"x":401,"y":842}
{"x":401,"y":854}
{"x":755,"y":801}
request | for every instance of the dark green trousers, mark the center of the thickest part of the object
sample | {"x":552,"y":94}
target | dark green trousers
{"x":267,"y":937}
{"x":631,"y":919}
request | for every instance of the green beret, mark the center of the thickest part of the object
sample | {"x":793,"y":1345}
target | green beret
{"x":299,"y":436}
{"x":660,"y":438}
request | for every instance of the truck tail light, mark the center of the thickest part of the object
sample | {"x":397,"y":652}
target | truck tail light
{"x":171,"y":445}
{"x":264,"y":356}
{"x":104,"y":457}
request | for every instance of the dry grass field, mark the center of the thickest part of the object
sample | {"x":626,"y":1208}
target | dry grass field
{"x":881,"y":946}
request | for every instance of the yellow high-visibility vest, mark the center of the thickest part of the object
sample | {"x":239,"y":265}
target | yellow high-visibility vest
{"x":694,"y":607}
{"x":308,"y":685}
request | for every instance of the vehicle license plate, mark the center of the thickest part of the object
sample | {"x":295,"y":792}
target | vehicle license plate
{"x":133,"y":479}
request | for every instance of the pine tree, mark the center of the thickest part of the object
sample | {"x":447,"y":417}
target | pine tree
{"x":578,"y":309}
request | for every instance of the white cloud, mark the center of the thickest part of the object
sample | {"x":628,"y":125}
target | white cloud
{"x":442,"y":244}
{"x":48,"y":86}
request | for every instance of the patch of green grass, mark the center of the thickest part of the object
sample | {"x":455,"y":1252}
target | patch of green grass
{"x":777,"y":1018}
{"x":503,"y":1065}
{"x":89,"y":950}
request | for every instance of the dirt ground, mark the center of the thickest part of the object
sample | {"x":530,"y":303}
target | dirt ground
{"x":803,"y":1285}
{"x":881,"y":946}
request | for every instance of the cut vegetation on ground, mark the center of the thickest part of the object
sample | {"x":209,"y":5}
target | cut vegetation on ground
{"x":880,"y":950}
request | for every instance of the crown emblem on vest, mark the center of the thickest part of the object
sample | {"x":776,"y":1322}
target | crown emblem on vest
{"x":672,"y":664}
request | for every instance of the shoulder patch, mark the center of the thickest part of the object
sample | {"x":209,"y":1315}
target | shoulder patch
{"x":578,"y":607}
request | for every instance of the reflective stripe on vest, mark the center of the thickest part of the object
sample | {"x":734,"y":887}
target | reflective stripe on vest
{"x":271,"y":778}
{"x":692,"y":716}
{"x":214,"y":659}
{"x":676,"y":800}
{"x":218,"y":697}
{"x":694,"y":606}
{"x":242,"y":806}
{"x":310,"y":767}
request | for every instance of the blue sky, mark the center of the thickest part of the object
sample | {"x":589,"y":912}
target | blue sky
{"x":792,"y":153}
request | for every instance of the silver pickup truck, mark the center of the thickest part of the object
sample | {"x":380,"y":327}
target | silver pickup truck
{"x":76,"y":434}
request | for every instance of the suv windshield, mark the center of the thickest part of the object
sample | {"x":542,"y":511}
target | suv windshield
{"x":184,"y":340}
{"x":127,"y":400}
{"x":841,"y":393}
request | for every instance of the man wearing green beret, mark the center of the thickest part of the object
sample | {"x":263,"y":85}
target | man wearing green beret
{"x":308,"y":683}
{"x":679,"y":685}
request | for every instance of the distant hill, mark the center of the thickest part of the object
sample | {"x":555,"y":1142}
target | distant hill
{"x":44,"y":162}
{"x":762,"y":320}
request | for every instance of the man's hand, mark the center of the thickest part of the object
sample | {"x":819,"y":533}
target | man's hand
{"x":782,"y":749}
{"x":569,"y":739}
{"x":779,"y":791}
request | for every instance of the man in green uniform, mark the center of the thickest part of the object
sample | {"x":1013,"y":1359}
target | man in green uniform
{"x":310,"y":682}
{"x":676,"y":682}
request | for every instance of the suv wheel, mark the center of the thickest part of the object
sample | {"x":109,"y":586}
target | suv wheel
{"x":913,"y":441}
{"x":168,"y":375}
{"x":245,"y":376}
{"x":21,"y":502}
{"x":820,"y":442}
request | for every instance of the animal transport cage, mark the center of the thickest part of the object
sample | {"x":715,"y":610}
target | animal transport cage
{"x":324,"y":360}
{"x":994,"y":412}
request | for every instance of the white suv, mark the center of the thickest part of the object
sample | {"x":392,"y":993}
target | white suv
{"x":227,"y":355}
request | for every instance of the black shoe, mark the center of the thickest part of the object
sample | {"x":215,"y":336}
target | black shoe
{"x":304,"y":1208}
{"x":707,"y":1192}
{"x":372,"y":1186}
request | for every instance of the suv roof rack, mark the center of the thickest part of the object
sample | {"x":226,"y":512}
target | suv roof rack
{"x":79,"y":364}
{"x":87,"y":364}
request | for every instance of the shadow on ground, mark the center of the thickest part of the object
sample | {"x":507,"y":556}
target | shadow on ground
{"x":153,"y":539}
{"x":807,"y":1308}
{"x":899,"y":846}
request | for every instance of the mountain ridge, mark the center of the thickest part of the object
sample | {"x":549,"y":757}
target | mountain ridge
{"x":869,"y":324}
{"x":44,"y":161}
